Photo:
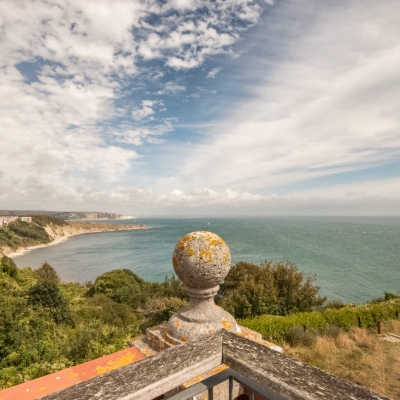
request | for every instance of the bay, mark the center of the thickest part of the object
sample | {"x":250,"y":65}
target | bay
{"x":355,"y":259}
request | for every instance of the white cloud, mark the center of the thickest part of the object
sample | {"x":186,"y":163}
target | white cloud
{"x":213,"y":73}
{"x":145,"y":111}
{"x":172,"y":88}
{"x":324,"y":100}
{"x":329,"y":105}
{"x":82,"y":58}
{"x":138,"y":135}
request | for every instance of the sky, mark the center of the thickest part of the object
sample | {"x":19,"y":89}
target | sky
{"x":190,"y":107}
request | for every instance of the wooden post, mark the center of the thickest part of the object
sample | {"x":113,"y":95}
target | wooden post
{"x":397,"y":314}
{"x":359,"y":322}
{"x":379,"y":327}
{"x":304,"y":328}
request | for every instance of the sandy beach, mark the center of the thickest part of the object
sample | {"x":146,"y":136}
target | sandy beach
{"x":60,"y":234}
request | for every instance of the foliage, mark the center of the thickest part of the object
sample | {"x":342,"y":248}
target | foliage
{"x":22,"y":234}
{"x":46,"y":325}
{"x":47,"y":294}
{"x":7,"y":265}
{"x":275,"y":328}
{"x":46,"y":273}
{"x":10,"y":239}
{"x":157,"y":310}
{"x":92,"y":339}
{"x":278,"y":289}
{"x":29,"y":230}
{"x":123,"y":286}
{"x":117,"y":283}
{"x":331,"y":331}
{"x":44,"y":220}
{"x":391,"y":296}
{"x":297,"y":336}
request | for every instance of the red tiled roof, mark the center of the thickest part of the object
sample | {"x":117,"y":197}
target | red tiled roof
{"x":48,"y":384}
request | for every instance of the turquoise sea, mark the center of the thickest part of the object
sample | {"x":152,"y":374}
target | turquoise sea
{"x":355,"y":259}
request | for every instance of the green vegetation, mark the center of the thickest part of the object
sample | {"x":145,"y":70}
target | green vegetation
{"x":250,"y":290}
{"x":276,"y":328}
{"x":46,"y":325}
{"x":23,"y":234}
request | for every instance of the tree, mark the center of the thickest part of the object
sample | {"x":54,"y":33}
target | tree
{"x":47,"y":294}
{"x":278,"y":289}
{"x":46,"y":273}
{"x":8,"y":266}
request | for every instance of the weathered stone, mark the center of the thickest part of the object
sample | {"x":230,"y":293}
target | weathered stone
{"x":171,"y":368}
{"x":201,"y":260}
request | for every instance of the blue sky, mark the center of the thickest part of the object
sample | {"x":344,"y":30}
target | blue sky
{"x":191,"y":107}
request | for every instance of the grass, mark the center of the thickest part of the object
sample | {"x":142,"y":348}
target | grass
{"x":358,"y":355}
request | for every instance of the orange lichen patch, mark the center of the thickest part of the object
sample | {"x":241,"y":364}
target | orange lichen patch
{"x":219,"y":369}
{"x":206,"y":255}
{"x":199,"y":378}
{"x":183,"y":339}
{"x":71,"y":376}
{"x":194,"y":380}
{"x":178,"y":323}
{"x":175,"y":262}
{"x":101,"y":370}
{"x":225,"y":324}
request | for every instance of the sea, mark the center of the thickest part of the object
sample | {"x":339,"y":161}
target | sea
{"x":354,"y":259}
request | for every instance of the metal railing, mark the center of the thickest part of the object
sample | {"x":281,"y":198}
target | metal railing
{"x":207,"y":385}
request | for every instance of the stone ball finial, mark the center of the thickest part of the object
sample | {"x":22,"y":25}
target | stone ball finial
{"x":201,"y":260}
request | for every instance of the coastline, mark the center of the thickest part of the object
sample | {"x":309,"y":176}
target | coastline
{"x":62,"y":234}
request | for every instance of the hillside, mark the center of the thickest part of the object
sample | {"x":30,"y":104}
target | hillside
{"x":19,"y":237}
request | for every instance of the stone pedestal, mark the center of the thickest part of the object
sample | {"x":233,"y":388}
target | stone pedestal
{"x":201,"y":260}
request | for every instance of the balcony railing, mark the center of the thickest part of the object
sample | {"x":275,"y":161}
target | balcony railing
{"x":208,"y":384}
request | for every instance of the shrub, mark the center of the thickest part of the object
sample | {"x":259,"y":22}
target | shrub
{"x":117,"y":284}
{"x":274,"y":328}
{"x":278,"y":289}
{"x":336,"y":304}
{"x":331,"y":331}
{"x":157,"y":310}
{"x":297,"y":336}
{"x":46,"y":273}
{"x":93,"y":339}
{"x":43,"y":220}
{"x":32,"y":231}
{"x":8,"y":266}
{"x":47,"y":295}
{"x":391,"y":296}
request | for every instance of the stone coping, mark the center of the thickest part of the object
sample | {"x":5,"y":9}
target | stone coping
{"x":168,"y":369}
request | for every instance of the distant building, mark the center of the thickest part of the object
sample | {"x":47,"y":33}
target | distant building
{"x":4,"y":221}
